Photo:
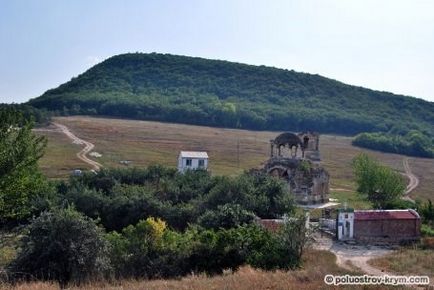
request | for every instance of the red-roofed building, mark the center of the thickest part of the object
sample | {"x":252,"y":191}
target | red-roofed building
{"x":386,"y":225}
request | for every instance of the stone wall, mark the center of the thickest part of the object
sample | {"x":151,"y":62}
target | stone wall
{"x":390,"y":230}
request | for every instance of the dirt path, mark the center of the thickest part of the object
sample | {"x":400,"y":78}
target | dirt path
{"x":350,"y":256}
{"x":413,"y":179}
{"x":87,"y":146}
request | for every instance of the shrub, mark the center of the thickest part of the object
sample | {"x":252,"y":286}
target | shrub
{"x":225,"y":216}
{"x":134,"y":251}
{"x":120,"y":197}
{"x":282,"y":250}
{"x":426,"y":211}
{"x":62,"y":245}
{"x":427,"y":230}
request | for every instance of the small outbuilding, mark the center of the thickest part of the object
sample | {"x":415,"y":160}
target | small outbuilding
{"x":386,"y":225}
{"x":191,"y":160}
{"x":378,"y":225}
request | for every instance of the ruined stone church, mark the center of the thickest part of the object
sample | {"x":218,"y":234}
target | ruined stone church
{"x":296,"y":159}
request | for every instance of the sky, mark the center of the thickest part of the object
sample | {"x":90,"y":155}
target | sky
{"x":379,"y":44}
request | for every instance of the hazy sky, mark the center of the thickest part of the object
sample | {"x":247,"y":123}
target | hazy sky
{"x":384,"y":45}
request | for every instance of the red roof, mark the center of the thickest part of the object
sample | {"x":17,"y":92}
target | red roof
{"x":385,"y":215}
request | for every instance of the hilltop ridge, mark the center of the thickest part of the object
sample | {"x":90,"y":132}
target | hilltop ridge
{"x":219,"y":93}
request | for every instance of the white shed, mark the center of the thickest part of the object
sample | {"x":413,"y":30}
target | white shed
{"x":190,"y":160}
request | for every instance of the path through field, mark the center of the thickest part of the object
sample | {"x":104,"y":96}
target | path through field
{"x":83,"y":152}
{"x":348,"y":256}
{"x":413,"y":179}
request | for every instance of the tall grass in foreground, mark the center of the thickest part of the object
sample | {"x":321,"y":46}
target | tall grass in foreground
{"x":310,"y":276}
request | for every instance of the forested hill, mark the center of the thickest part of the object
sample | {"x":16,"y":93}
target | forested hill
{"x":221,"y":93}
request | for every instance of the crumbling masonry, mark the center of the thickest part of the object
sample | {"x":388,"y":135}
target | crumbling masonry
{"x":296,"y":159}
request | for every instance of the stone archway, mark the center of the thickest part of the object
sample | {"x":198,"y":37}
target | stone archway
{"x":286,"y":140}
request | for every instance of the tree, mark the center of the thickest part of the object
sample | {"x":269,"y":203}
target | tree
{"x":137,"y":250}
{"x":426,"y":211}
{"x":381,"y":185}
{"x":280,"y":250}
{"x":226,"y":216}
{"x":20,"y":179}
{"x":62,"y":245}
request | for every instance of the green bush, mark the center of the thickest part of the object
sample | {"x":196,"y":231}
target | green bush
{"x":225,"y":216}
{"x":62,"y":245}
{"x":151,"y":250}
{"x":427,"y":230}
{"x":282,"y":250}
{"x":179,"y":199}
{"x":426,"y":210}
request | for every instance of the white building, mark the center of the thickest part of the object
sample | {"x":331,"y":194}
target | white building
{"x":345,"y":224}
{"x":190,"y":160}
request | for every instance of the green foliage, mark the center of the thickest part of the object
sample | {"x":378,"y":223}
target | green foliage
{"x":219,"y":93}
{"x":426,"y":210}
{"x":281,"y":251}
{"x":305,"y":166}
{"x":380,"y":184}
{"x":62,"y":245}
{"x":41,"y":117}
{"x":208,"y":226}
{"x":120,"y":197}
{"x":225,"y":216}
{"x":414,"y":143}
{"x":136,"y":252}
{"x":427,"y":230}
{"x":21,"y":183}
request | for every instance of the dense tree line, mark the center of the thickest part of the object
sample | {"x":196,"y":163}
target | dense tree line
{"x":120,"y":197}
{"x":39,"y":117}
{"x":219,"y":93}
{"x":414,"y":143}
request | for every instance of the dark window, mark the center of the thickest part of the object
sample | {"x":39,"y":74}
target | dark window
{"x":201,"y":163}
{"x":188,"y":162}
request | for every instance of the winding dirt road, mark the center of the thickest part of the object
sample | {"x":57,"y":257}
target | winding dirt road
{"x":413,"y":179}
{"x":87,"y":146}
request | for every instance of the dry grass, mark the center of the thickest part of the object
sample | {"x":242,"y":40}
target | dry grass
{"x":8,"y":247}
{"x":147,"y":143}
{"x":316,"y":265}
{"x":60,"y":155}
{"x":424,"y":169}
{"x":412,"y":260}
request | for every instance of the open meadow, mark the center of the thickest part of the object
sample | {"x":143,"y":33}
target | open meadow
{"x":231,"y":151}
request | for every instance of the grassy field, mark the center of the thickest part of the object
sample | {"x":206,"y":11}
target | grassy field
{"x":311,"y":276}
{"x":60,"y":155}
{"x":231,"y":151}
{"x":408,"y":261}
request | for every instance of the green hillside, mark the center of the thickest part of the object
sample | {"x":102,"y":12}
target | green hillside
{"x":221,"y":93}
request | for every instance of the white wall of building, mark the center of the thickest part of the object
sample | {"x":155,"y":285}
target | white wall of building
{"x":182,"y":163}
{"x":345,"y":228}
